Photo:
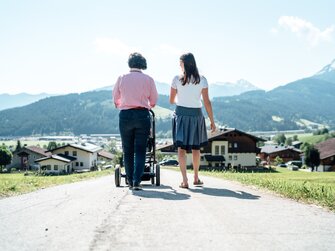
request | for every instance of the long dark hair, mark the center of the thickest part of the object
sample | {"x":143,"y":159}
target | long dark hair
{"x":191,"y":72}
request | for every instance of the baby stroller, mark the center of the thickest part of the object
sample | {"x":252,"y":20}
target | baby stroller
{"x":151,"y":168}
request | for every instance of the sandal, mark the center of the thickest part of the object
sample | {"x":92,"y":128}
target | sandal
{"x":198,"y":183}
{"x":183,"y":185}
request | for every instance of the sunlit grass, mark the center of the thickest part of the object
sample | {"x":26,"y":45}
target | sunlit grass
{"x":17,"y":183}
{"x":317,"y":188}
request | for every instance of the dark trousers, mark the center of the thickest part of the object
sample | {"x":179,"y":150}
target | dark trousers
{"x":134,"y":127}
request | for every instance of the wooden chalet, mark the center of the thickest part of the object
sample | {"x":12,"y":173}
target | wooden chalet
{"x":327,"y":155}
{"x":286,"y":153}
{"x":226,"y":147}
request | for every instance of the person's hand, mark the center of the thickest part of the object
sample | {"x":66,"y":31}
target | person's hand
{"x":213,"y":127}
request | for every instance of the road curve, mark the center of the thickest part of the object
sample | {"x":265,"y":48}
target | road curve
{"x":223,"y":215}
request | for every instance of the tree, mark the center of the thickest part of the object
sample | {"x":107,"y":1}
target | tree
{"x":112,"y":147}
{"x":305,"y":146}
{"x":312,"y":157}
{"x":18,"y":146}
{"x":52,"y":145}
{"x":5,"y":157}
{"x":280,"y":138}
{"x":288,"y":141}
{"x":295,"y":137}
{"x":278,"y":160}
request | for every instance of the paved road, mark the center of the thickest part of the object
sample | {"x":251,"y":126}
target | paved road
{"x":94,"y":215}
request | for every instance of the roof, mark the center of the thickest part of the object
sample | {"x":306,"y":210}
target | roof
{"x":273,"y":149}
{"x":60,"y":157}
{"x":35,"y":149}
{"x":213,"y":136}
{"x":88,"y":147}
{"x":326,"y":148}
{"x":106,"y":154}
{"x":214,"y":158}
{"x":224,"y":131}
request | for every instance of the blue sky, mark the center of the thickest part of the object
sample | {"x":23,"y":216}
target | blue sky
{"x":75,"y":45}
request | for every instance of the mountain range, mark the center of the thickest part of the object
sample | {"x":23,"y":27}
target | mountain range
{"x":302,"y":104}
{"x":217,"y":90}
{"x":21,"y":99}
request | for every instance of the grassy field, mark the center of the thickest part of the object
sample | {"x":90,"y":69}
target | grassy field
{"x":16,"y":183}
{"x":311,"y":139}
{"x":316,"y":188}
{"x":13,"y":143}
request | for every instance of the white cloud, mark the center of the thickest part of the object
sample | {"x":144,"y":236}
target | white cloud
{"x":306,"y":30}
{"x":113,"y":46}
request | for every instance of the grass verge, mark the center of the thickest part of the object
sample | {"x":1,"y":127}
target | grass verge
{"x":16,"y":183}
{"x":316,"y":188}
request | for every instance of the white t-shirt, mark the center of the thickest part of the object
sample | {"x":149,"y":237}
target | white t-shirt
{"x":189,"y":95}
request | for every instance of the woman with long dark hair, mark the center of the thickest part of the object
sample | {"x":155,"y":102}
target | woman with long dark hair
{"x":189,"y":128}
{"x":134,"y":94}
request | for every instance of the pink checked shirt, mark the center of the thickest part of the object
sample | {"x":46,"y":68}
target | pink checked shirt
{"x":135,"y":90}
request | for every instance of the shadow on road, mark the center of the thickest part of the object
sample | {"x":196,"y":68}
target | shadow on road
{"x":161,"y":192}
{"x":224,"y":193}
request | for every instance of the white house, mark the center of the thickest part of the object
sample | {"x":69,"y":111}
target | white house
{"x":226,"y":147}
{"x":72,"y":157}
{"x":56,"y":163}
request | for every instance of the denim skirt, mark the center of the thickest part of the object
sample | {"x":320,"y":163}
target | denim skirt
{"x":189,"y":128}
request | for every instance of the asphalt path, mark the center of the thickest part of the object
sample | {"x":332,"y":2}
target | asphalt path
{"x":222,"y":215}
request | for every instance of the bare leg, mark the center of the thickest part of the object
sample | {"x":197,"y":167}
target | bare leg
{"x":196,"y":164}
{"x":182,"y":164}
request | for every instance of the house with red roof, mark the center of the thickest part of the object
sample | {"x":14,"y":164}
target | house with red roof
{"x":24,"y":158}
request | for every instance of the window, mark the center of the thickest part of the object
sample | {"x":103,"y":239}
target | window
{"x":223,"y":150}
{"x":81,"y":164}
{"x":230,"y":145}
{"x":48,"y":167}
{"x":235,"y":145}
{"x":74,"y":153}
{"x":235,"y":157}
{"x":77,"y":163}
{"x":56,"y":167}
{"x":217,"y":150}
{"x":230,"y":157}
{"x":66,"y":153}
{"x":202,"y":158}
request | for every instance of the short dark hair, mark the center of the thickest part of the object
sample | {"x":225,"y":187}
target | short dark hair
{"x":136,"y":60}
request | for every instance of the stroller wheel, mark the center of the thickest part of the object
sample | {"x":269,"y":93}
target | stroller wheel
{"x":158,"y":175}
{"x":117,"y":174}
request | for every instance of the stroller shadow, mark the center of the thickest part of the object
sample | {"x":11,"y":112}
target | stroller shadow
{"x":160,"y":192}
{"x":220,"y":192}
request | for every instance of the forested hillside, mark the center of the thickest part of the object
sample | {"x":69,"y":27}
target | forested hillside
{"x":283,"y":108}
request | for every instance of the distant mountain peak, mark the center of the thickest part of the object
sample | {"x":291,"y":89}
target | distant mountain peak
{"x":327,"y":73}
{"x":327,"y":69}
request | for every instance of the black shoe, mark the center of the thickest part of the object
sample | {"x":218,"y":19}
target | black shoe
{"x":137,"y":187}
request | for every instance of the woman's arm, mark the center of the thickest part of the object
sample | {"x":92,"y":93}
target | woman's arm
{"x":208,"y":107}
{"x":173,"y":93}
{"x":116,"y":93}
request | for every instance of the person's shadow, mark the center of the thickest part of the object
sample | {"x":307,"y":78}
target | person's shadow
{"x":221,"y":192}
{"x":160,"y":192}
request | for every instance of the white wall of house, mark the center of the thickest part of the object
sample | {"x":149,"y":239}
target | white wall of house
{"x":54,"y":166}
{"x":222,"y":148}
{"x":84,"y":159}
{"x":243,"y":159}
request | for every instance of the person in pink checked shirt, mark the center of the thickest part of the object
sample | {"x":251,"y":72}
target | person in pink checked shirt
{"x":134,"y":94}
